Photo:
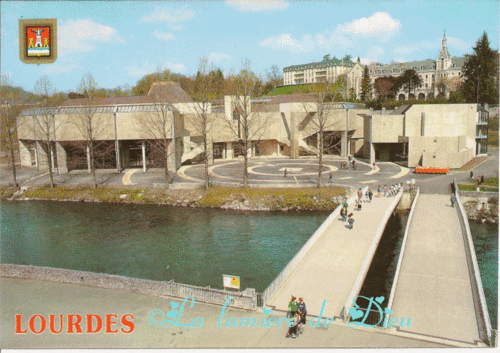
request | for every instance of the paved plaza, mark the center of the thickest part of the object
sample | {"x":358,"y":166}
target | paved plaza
{"x":262,"y":172}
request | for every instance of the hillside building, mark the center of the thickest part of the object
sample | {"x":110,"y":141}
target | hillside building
{"x":440,"y":76}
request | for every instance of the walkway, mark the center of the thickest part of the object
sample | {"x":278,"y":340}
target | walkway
{"x":330,"y":268}
{"x":434,"y":287}
{"x":28,"y":297}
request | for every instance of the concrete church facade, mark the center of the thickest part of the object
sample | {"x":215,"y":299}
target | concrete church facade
{"x":430,"y":135}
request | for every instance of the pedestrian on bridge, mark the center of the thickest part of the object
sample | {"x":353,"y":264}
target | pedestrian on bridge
{"x":292,"y":306}
{"x":343,"y":213}
{"x":360,"y":195}
{"x":301,"y":308}
{"x":350,"y":221}
{"x":385,"y":190}
{"x":370,"y":195}
{"x":453,"y":199}
{"x":379,"y":191}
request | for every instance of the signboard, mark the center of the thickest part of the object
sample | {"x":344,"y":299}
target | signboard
{"x":38,"y":41}
{"x":232,"y":282}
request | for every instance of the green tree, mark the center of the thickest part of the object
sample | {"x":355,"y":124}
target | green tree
{"x":410,"y":80}
{"x":481,"y":74}
{"x":366,"y":86}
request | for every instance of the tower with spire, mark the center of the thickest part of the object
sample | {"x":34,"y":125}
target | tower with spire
{"x":443,"y":61}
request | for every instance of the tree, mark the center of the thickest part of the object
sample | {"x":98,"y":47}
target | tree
{"x":45,"y":124}
{"x":318,"y":121}
{"x":10,"y":107}
{"x":245,"y":125}
{"x":481,"y":73}
{"x":88,"y":122}
{"x":383,"y":87}
{"x":410,"y":80}
{"x":274,"y":76}
{"x":202,"y":90}
{"x":366,"y":86}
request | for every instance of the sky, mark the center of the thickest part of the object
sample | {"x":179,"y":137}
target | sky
{"x":118,"y":42}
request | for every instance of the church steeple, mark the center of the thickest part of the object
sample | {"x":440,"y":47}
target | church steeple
{"x":444,"y":57}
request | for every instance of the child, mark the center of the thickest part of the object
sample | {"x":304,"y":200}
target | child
{"x":351,"y":221}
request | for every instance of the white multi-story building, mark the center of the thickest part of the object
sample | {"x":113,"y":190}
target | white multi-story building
{"x":327,"y":70}
{"x":445,"y":73}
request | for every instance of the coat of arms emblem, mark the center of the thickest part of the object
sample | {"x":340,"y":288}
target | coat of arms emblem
{"x":38,"y":41}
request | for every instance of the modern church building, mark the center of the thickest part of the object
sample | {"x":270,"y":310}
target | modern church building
{"x":126,"y":131}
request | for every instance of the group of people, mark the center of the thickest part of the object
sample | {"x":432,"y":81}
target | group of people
{"x":392,"y":191}
{"x":345,"y":216}
{"x":297,"y":311}
{"x":351,"y":162}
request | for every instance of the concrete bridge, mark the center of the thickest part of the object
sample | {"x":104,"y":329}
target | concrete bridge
{"x":437,"y":281}
{"x":333,"y":264}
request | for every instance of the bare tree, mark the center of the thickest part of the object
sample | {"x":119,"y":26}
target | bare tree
{"x":44,"y":121}
{"x":274,"y":76}
{"x":89,"y":122}
{"x":318,"y":121}
{"x":202,"y":90}
{"x":246,"y":125}
{"x":10,"y":108}
{"x":158,"y":126}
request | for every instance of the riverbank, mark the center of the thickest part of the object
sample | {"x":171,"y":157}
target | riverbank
{"x":247,"y":199}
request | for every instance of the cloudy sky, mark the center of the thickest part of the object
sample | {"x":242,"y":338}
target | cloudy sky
{"x":120,"y":41}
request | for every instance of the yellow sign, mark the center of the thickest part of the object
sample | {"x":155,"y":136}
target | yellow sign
{"x":232,"y":282}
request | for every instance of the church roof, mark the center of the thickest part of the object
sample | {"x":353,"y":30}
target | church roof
{"x":320,"y":64}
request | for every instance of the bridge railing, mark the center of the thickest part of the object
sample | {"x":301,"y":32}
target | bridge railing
{"x":485,"y":330}
{"x":290,"y":267}
{"x":402,"y":251}
{"x":358,"y":283}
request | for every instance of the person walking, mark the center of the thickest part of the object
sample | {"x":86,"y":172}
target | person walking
{"x":453,"y":199}
{"x":471,"y":176}
{"x":301,"y":307}
{"x":482,"y":179}
{"x":353,"y":164}
{"x":292,"y":306}
{"x":284,"y":172}
{"x":370,"y":195}
{"x":350,"y":221}
{"x":379,"y":191}
{"x":292,"y":331}
{"x":385,"y":190}
{"x":330,"y":179}
{"x":343,"y":213}
{"x":366,"y":195}
{"x":360,"y":195}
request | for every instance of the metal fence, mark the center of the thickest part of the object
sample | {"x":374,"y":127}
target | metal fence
{"x":242,"y":300}
{"x":280,"y":279}
{"x":485,"y":330}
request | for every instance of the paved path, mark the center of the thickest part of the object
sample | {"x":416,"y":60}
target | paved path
{"x":331,"y":266}
{"x":434,"y":287}
{"x":29,"y":297}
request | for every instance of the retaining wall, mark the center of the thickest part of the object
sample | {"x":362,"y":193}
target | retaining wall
{"x":243,"y":300}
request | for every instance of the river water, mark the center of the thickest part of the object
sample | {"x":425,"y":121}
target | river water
{"x":191,"y":246}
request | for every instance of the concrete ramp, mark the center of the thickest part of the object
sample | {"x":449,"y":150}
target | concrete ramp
{"x":334,"y":266}
{"x":434,"y":286}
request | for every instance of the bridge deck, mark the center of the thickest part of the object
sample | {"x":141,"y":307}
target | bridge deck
{"x":329,"y":269}
{"x":434,"y":288}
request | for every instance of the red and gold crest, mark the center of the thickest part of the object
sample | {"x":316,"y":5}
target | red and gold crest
{"x":38,"y":41}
